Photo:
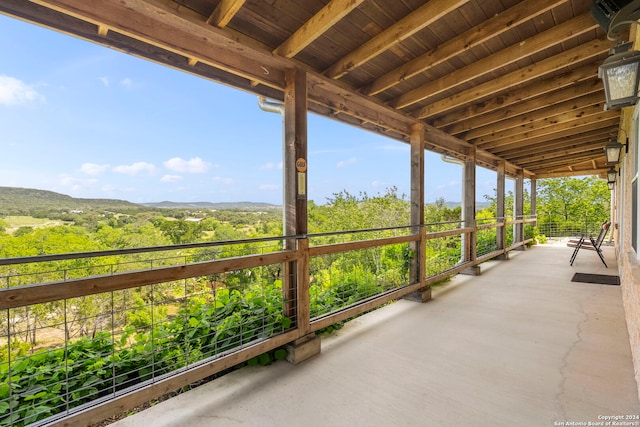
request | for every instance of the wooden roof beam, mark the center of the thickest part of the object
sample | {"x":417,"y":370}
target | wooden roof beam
{"x":571,"y":108}
{"x":554,"y":143}
{"x":512,"y":54}
{"x":505,"y":21}
{"x":585,"y":156}
{"x":530,"y":105}
{"x":553,"y":174}
{"x":333,"y":12}
{"x":404,"y":28}
{"x":588,"y":116}
{"x":545,"y":89}
{"x":224,"y":12}
{"x":584,"y":52}
{"x":551,"y":138}
{"x":553,"y":154}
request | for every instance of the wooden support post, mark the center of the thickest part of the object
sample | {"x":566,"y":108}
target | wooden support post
{"x":469,"y":210}
{"x":501,"y":232}
{"x":309,"y":344}
{"x":296,"y":277}
{"x":519,"y":209}
{"x":418,"y":263}
{"x":304,"y":302}
{"x":295,"y":152}
{"x":534,"y":201}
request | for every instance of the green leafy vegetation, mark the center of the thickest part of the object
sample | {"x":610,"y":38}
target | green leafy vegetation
{"x":59,"y":355}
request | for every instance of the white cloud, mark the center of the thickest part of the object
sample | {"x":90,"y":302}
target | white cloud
{"x":104,"y":80}
{"x":17,"y":92}
{"x":268,"y":187}
{"x":348,"y":162}
{"x":171,"y":178}
{"x":75,"y":184}
{"x":226,"y":181}
{"x":136,"y":168}
{"x":94,"y":169}
{"x":195,"y":165}
{"x":271,"y":165}
{"x":127,"y":82}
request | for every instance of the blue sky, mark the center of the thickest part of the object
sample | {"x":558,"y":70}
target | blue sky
{"x":88,"y":121}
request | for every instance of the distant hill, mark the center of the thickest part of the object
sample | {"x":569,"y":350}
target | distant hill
{"x":21,"y":200}
{"x":17,"y":201}
{"x":24,"y":201}
{"x":211,"y":205}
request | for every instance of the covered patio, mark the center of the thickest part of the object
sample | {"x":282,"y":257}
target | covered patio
{"x":520,"y":344}
{"x":510,"y":86}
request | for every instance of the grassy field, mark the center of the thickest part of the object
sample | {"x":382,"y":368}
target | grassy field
{"x":16,"y":222}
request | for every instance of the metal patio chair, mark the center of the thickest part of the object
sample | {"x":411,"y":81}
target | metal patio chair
{"x":589,"y":243}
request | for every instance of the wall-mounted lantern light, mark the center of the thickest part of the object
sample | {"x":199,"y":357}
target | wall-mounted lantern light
{"x":611,"y":175}
{"x":620,"y":74}
{"x":613,"y":150}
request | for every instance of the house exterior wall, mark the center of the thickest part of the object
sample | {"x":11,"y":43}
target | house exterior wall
{"x":629,"y":270}
{"x":628,"y":263}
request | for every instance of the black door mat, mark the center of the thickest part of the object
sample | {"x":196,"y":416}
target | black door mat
{"x":600,"y":279}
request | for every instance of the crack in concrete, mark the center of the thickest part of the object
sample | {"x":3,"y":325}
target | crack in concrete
{"x":559,"y":396}
{"x":560,"y":407}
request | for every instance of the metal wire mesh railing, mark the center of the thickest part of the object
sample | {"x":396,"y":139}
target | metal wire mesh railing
{"x":443,"y":248}
{"x":569,"y":228}
{"x":72,"y":351}
{"x":487,"y":236}
{"x":80,"y":329}
{"x":339,"y":280}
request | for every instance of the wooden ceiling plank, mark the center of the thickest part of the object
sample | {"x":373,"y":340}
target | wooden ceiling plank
{"x":477,"y":35}
{"x":563,"y":133}
{"x":571,"y":158}
{"x":224,"y":12}
{"x":527,"y":106}
{"x":533,"y":162}
{"x":599,"y":121}
{"x":523,"y":150}
{"x":552,"y":113}
{"x":557,"y":62}
{"x":512,"y":54}
{"x":546,"y":126}
{"x":541,"y":88}
{"x":333,"y":12}
{"x":552,"y":174}
{"x":553,"y":154}
{"x":406,"y":27}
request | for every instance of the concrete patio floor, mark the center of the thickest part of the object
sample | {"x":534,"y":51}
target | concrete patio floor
{"x":519,"y":345}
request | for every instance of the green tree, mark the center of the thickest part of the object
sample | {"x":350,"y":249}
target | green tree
{"x":440,"y":212}
{"x":575,"y":199}
{"x":180,"y":230}
{"x":509,"y":205}
{"x":345,"y":211}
